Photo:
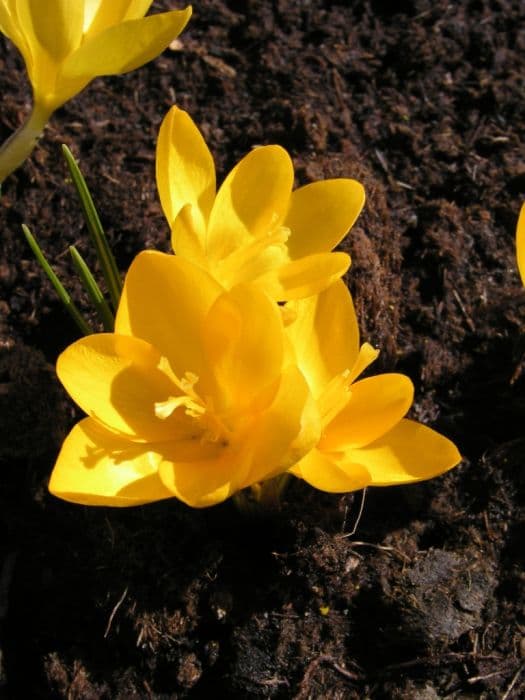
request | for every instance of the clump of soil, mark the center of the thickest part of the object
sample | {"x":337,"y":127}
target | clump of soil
{"x":423,"y":103}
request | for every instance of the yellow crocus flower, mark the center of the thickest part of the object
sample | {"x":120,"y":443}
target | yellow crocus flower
{"x":195,"y":395}
{"x":254,"y":229}
{"x":67,"y":43}
{"x":365,"y":441}
{"x":520,"y":244}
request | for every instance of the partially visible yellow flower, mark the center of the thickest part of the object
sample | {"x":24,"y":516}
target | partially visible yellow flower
{"x":195,"y":395}
{"x":67,"y":43}
{"x":254,"y":229}
{"x":365,"y":441}
{"x":520,"y":244}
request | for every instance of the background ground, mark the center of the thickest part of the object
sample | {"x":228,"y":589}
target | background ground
{"x":423,"y":102}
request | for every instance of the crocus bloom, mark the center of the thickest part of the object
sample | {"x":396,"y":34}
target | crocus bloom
{"x":520,"y":244}
{"x":195,"y":395}
{"x":254,"y":229}
{"x":67,"y":43}
{"x":365,"y":441}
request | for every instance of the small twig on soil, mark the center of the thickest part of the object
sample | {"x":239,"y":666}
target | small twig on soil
{"x":490,"y":531}
{"x":468,"y":319}
{"x":382,"y":160}
{"x":114,"y":611}
{"x":313,"y":666}
{"x":273,"y":682}
{"x":382,"y":548}
{"x":450,"y":657}
{"x":358,"y":519}
{"x":475,"y":679}
{"x":513,"y":682}
{"x":147,"y":688}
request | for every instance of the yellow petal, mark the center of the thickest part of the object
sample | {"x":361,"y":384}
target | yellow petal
{"x":324,"y":335}
{"x":409,"y":452}
{"x":97,"y":468}
{"x":321,"y":214}
{"x":125,"y":46}
{"x":188,"y":235}
{"x":322,"y":472}
{"x":304,"y":277}
{"x":285,"y":432}
{"x":10,"y":26}
{"x":375,"y":406}
{"x":185,"y":178}
{"x":202,"y":474}
{"x":244,"y":339}
{"x":116,"y":380}
{"x":367,"y":355}
{"x":520,"y":244}
{"x":165,"y":301}
{"x":100,"y":14}
{"x":136,"y":8}
{"x":253,"y":260}
{"x":252,"y":201}
{"x":199,"y":475}
{"x":57,"y":25}
{"x":40,"y":64}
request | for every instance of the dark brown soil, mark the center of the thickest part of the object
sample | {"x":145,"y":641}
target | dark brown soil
{"x":425,"y":103}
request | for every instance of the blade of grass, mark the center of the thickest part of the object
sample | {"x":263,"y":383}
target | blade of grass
{"x":93,"y":290}
{"x":105,"y":256}
{"x":57,"y":284}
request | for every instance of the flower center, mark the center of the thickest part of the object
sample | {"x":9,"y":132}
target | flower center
{"x":206,"y":424}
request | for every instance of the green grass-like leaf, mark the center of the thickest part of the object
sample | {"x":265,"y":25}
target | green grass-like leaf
{"x":63,"y":295}
{"x":93,"y":290}
{"x":105,"y":256}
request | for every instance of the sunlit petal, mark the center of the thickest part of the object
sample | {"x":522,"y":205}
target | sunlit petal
{"x":98,"y":468}
{"x":284,"y":433}
{"x":200,"y":477}
{"x":304,"y":277}
{"x":251,"y":202}
{"x":321,"y":214}
{"x":124,"y":47}
{"x":185,"y":179}
{"x":11,"y":28}
{"x":165,"y":301}
{"x":323,"y":472}
{"x":117,"y":380}
{"x":367,"y":354}
{"x":56,"y":26}
{"x":137,"y":8}
{"x":325,"y":335}
{"x":244,"y":349}
{"x":375,"y":406}
{"x":520,"y":244}
{"x":100,"y":14}
{"x":409,"y":452}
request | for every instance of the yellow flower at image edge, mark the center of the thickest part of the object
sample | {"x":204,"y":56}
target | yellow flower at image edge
{"x":365,"y":440}
{"x":520,"y":244}
{"x":67,"y":43}
{"x":254,"y":228}
{"x":193,"y":396}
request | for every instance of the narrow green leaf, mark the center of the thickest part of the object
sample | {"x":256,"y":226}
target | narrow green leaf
{"x":57,"y":284}
{"x":93,"y":290}
{"x":105,"y":256}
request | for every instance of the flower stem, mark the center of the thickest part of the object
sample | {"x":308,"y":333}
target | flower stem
{"x":20,"y":145}
{"x":263,"y":497}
